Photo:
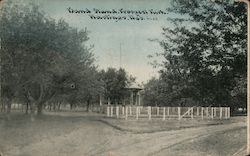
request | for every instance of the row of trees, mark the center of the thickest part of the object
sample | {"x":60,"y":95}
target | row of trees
{"x":46,"y":61}
{"x":204,"y":56}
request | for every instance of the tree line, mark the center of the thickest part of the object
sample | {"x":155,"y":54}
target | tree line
{"x":44,"y":61}
{"x":205,"y":56}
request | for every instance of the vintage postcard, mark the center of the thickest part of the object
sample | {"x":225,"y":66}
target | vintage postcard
{"x":124,"y":77}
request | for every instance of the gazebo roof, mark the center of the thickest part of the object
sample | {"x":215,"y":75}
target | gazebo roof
{"x":134,"y":86}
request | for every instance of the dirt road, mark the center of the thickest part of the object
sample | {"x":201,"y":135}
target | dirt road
{"x":95,"y":138}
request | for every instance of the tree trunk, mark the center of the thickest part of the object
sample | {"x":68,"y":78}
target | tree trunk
{"x":27,"y":108}
{"x":54,"y":106}
{"x":8,"y":106}
{"x":88,"y":104}
{"x":45,"y":106}
{"x":59,"y":105}
{"x":3,"y":107}
{"x":39,"y":108}
{"x":32,"y":109}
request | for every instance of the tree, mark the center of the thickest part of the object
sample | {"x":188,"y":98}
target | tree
{"x":90,"y":88}
{"x":115,"y":83}
{"x":205,"y":53}
{"x":40,"y":58}
{"x":153,"y":92}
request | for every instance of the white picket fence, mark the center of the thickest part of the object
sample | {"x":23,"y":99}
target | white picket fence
{"x":137,"y":112}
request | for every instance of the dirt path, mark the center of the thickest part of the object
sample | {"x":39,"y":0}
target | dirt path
{"x":153,"y":144}
{"x":95,"y":138}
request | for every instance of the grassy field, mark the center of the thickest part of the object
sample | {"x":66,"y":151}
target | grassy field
{"x":81,"y":133}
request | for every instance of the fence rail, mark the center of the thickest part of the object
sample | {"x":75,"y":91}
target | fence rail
{"x":136,"y":112}
{"x":139,"y":112}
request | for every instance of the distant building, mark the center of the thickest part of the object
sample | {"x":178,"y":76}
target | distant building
{"x":132,"y":96}
{"x":135,"y":96}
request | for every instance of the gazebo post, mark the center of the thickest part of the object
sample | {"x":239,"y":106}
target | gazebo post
{"x":134,"y":91}
{"x":139,"y":98}
{"x":131,"y":97}
{"x":136,"y":98}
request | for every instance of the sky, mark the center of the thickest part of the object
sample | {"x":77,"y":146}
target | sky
{"x":112,"y":40}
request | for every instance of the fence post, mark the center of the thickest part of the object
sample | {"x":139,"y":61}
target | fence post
{"x":215,"y":109}
{"x":189,"y":111}
{"x":197,"y":109}
{"x":179,"y":113}
{"x":225,"y":110}
{"x":220,"y":112}
{"x":158,"y":110}
{"x":228,"y":112}
{"x":164,"y":115}
{"x":137,"y":112}
{"x":149,"y":112}
{"x":192,"y":112}
{"x":212,"y":112}
{"x":207,"y":112}
{"x":130,"y":110}
{"x":111,"y":111}
{"x":168,"y":112}
{"x":126,"y":111}
{"x":108,"y":111}
{"x":202,"y":109}
{"x":123,"y":110}
{"x":117,"y":111}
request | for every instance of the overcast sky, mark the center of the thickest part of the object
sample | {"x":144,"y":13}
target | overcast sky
{"x":108,"y":35}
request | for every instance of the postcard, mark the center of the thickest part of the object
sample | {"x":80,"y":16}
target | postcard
{"x":124,"y":78}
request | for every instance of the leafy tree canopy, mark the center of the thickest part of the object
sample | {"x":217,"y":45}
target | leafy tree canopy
{"x":205,"y":53}
{"x":41,"y":57}
{"x":116,"y":82}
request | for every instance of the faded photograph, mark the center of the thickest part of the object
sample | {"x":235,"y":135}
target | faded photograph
{"x":123,"y":77}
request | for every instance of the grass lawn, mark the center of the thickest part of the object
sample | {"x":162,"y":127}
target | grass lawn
{"x":154,"y":125}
